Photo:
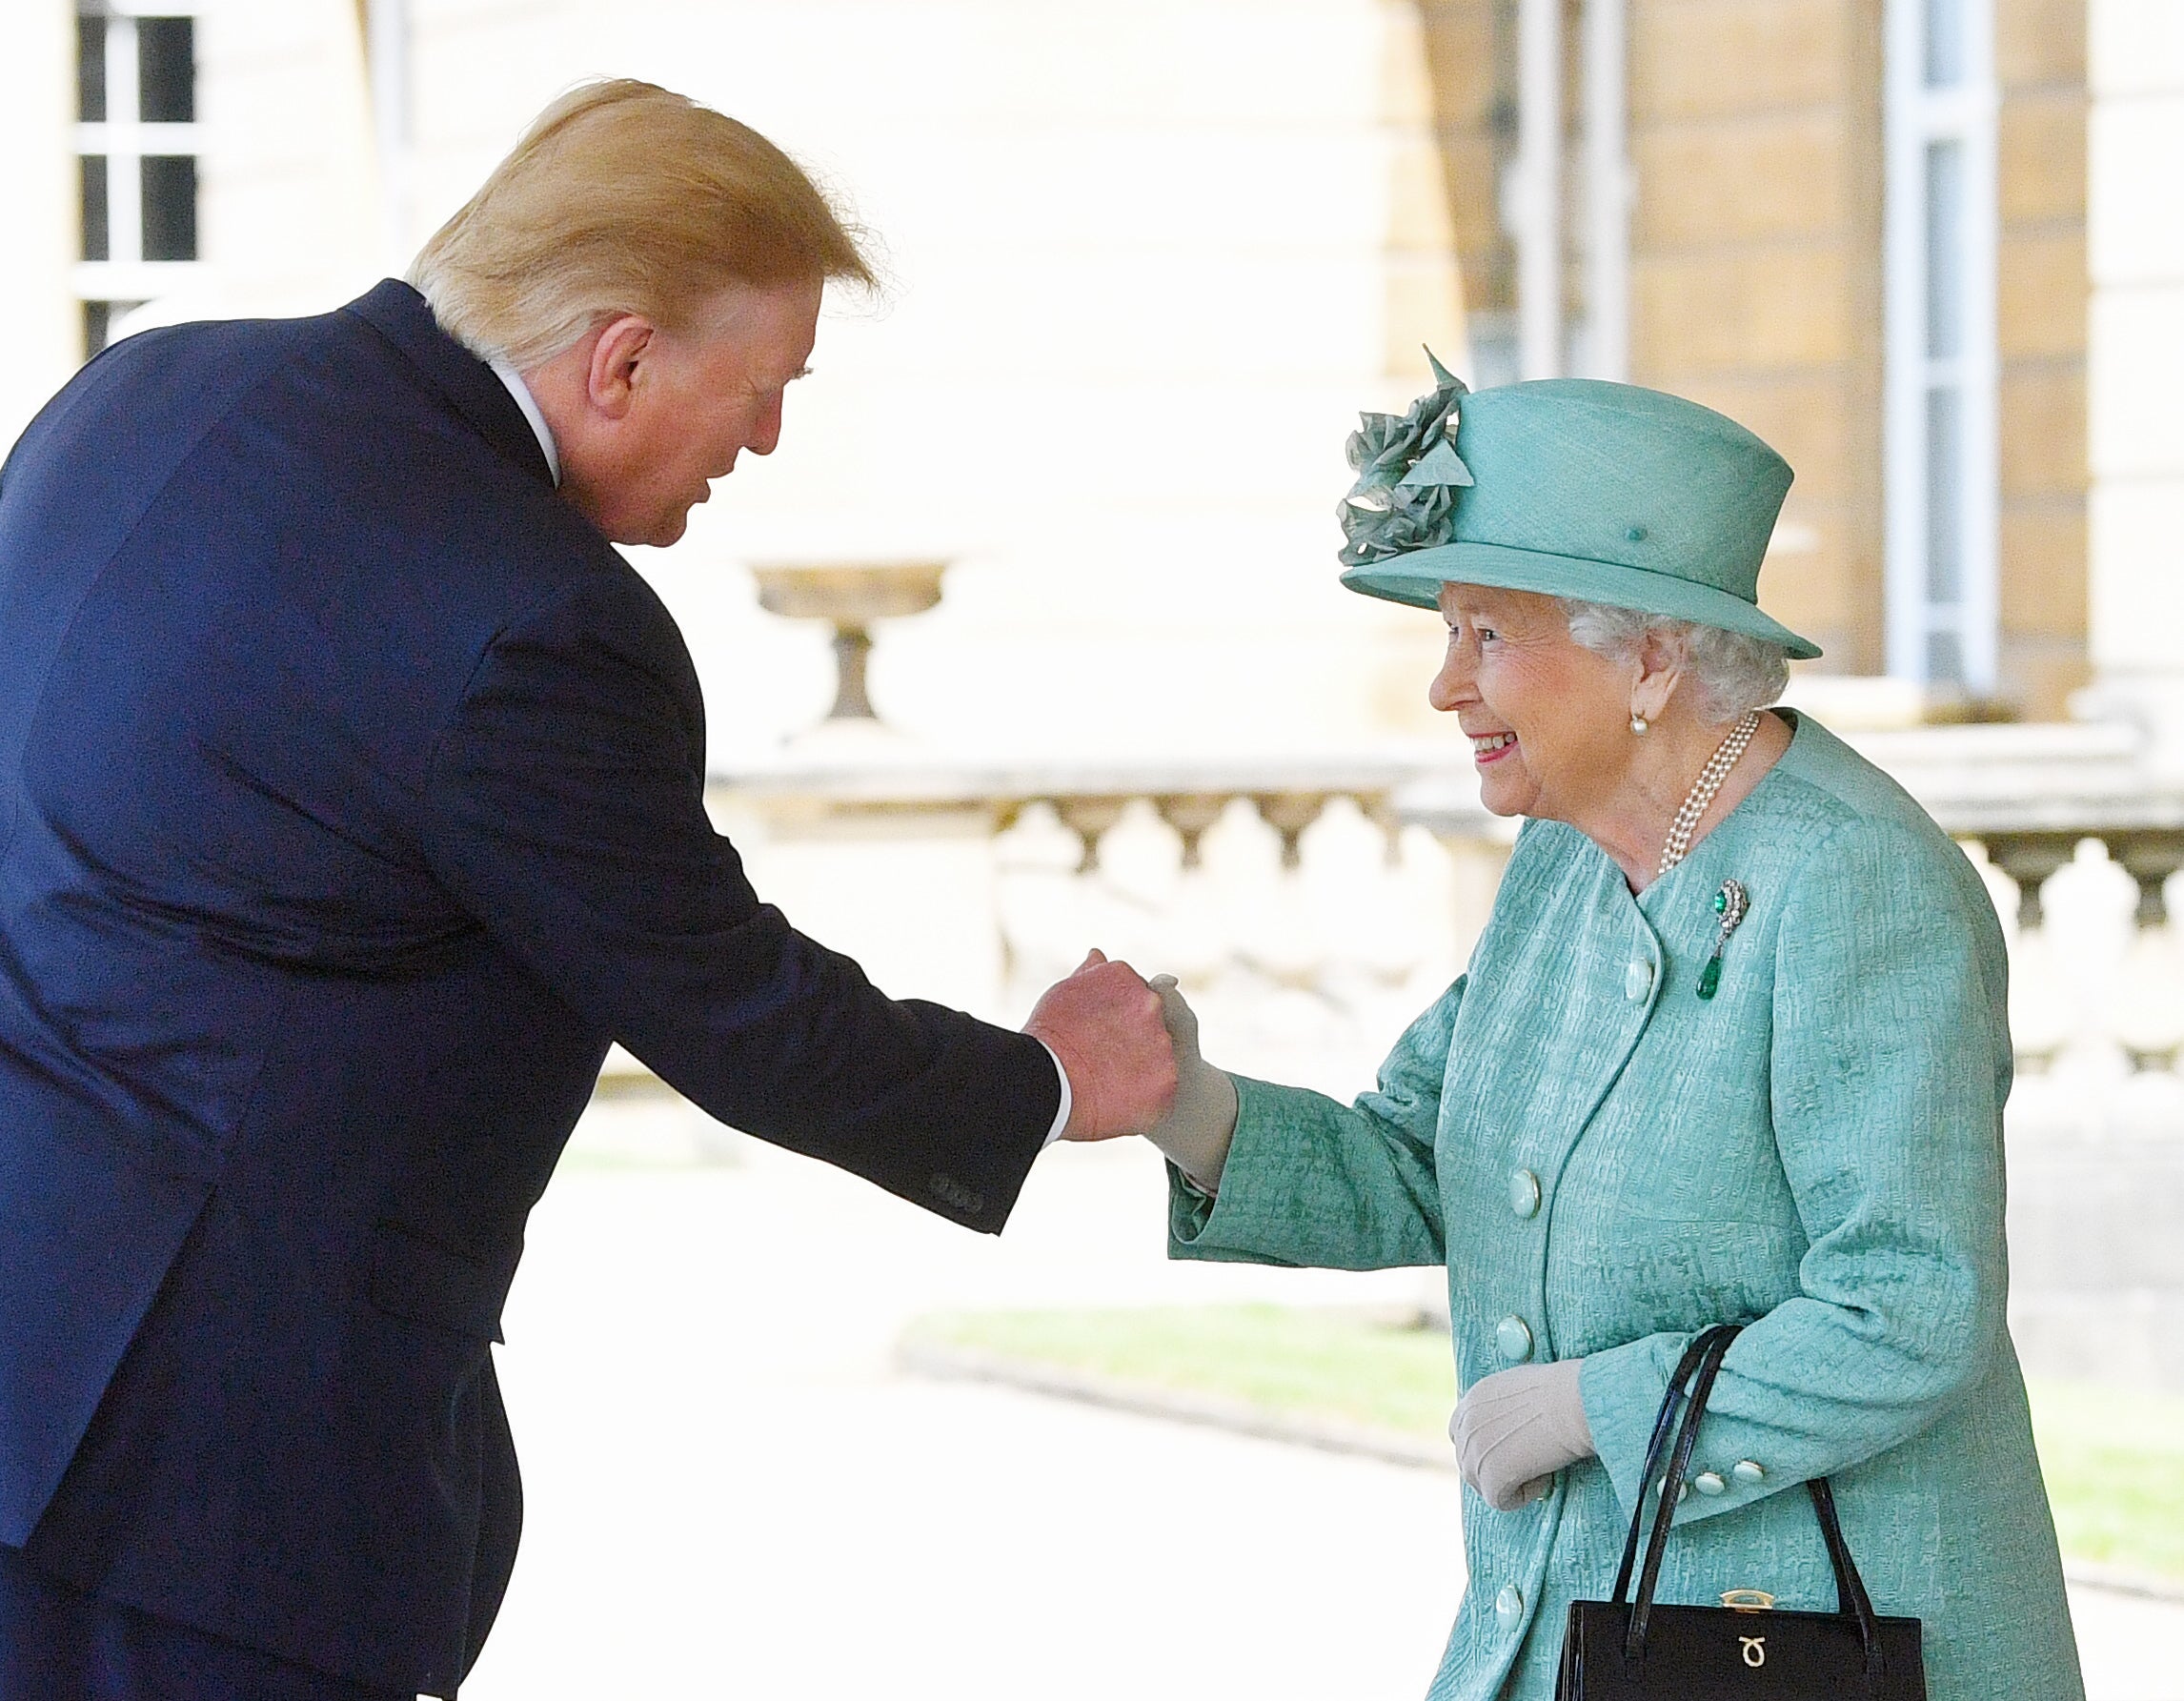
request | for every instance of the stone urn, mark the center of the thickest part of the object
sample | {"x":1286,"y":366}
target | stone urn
{"x":850,"y":597}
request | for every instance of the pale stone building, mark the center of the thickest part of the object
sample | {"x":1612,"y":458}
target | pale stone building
{"x":1753,"y":266}
{"x":1144,"y":267}
{"x":2136,"y":365}
{"x":1146,"y":259}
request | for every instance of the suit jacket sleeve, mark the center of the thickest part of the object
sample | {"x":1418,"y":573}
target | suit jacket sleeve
{"x":564,"y":807}
{"x":1325,"y":1185}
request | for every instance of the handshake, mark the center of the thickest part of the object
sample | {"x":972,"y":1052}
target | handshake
{"x":1130,"y":1048}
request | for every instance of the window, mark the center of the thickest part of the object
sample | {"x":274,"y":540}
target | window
{"x":1942,"y":480}
{"x":136,"y":151}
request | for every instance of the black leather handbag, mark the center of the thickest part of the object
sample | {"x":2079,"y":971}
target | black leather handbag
{"x":1636,"y":1651}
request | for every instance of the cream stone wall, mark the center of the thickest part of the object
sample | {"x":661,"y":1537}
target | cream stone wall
{"x":1470,"y":55}
{"x":1144,"y":264}
{"x":288,"y":196}
{"x":2135,"y":229}
{"x":1756,"y":132}
{"x":2040,"y":65}
{"x":1756,"y":270}
{"x":37,"y":208}
{"x":1755,"y":246}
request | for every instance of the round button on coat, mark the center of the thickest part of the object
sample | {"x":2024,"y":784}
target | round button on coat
{"x":1710,"y":1482}
{"x":1747,"y":1471}
{"x":1637,"y":979}
{"x":1513,"y":1339}
{"x":1509,"y":1607}
{"x":1523,"y":1192}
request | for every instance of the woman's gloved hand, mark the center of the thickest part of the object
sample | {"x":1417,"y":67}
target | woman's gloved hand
{"x":1194,"y":1135}
{"x":1516,"y":1428}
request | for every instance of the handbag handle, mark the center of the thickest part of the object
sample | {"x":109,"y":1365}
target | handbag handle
{"x":1664,"y":1426}
{"x":1712,"y":1347}
{"x":1700,"y":1365}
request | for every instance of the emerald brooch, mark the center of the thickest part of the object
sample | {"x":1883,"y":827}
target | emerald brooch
{"x":1729,"y":904}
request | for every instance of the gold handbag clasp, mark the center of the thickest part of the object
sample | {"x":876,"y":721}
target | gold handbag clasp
{"x":1747,"y":1600}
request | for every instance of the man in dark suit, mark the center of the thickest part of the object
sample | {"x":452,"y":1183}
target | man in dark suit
{"x":351,"y":804}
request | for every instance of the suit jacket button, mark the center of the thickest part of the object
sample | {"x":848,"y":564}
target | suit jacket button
{"x":1523,"y":1192}
{"x":1509,"y":1608}
{"x":1748,"y":1471}
{"x":1513,"y":1340}
{"x":1637,"y":979}
{"x":1710,"y":1482}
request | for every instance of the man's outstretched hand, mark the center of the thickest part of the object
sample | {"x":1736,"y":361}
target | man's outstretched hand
{"x":1105,"y":1023}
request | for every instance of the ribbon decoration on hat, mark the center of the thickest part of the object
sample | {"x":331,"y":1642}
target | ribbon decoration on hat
{"x":1409,"y":471}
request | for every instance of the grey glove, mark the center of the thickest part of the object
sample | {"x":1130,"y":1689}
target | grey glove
{"x":1195,"y":1134}
{"x":1516,"y":1428}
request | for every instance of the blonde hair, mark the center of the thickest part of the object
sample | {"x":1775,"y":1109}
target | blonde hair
{"x":624,"y":198}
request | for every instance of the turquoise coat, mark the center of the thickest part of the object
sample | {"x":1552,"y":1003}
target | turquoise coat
{"x":1605,"y":1163}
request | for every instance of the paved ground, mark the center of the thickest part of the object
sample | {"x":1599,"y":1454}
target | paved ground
{"x":733,"y":1494}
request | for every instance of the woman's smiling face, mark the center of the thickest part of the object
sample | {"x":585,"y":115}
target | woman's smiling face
{"x":1550,"y":720}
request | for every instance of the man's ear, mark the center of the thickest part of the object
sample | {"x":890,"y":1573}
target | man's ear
{"x":619,"y":350}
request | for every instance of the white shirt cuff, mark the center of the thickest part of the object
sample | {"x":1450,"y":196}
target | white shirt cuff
{"x":1062,"y":1116}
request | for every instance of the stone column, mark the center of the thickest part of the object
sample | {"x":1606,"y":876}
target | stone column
{"x":2135,"y":380}
{"x":289,"y":202}
{"x":37,"y":206}
{"x":1756,"y":271}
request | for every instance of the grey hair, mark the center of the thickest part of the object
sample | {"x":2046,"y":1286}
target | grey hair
{"x":1728,"y":672}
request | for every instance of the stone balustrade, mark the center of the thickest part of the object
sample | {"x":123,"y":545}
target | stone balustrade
{"x":1308,"y":918}
{"x":1262,"y":875}
{"x":2079,"y":848}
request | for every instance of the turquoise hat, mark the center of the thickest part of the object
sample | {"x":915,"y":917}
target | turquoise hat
{"x":1605,"y":493}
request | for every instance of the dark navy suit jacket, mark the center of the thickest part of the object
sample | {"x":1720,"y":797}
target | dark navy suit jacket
{"x":351,"y":803}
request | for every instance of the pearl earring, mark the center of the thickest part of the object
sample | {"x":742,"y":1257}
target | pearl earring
{"x":1640,"y":725}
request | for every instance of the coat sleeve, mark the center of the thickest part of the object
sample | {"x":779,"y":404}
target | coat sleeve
{"x":1889,"y":1062}
{"x":564,"y":807}
{"x":1316,"y":1184}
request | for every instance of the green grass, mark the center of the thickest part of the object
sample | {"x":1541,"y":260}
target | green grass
{"x":1328,"y":1364}
{"x":2113,"y":1458}
{"x":2115,"y":1463}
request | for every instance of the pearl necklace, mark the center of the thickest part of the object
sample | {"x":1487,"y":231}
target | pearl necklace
{"x":1701,"y":796}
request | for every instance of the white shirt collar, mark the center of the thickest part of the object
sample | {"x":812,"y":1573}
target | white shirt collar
{"x":524,"y":399}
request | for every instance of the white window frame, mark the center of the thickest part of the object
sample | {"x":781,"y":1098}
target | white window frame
{"x":124,"y":140}
{"x":1920,"y":116}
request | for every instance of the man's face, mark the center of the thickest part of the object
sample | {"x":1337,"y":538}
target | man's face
{"x":672,"y":411}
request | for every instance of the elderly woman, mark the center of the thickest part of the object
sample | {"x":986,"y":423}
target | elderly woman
{"x":1731,"y":1049}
